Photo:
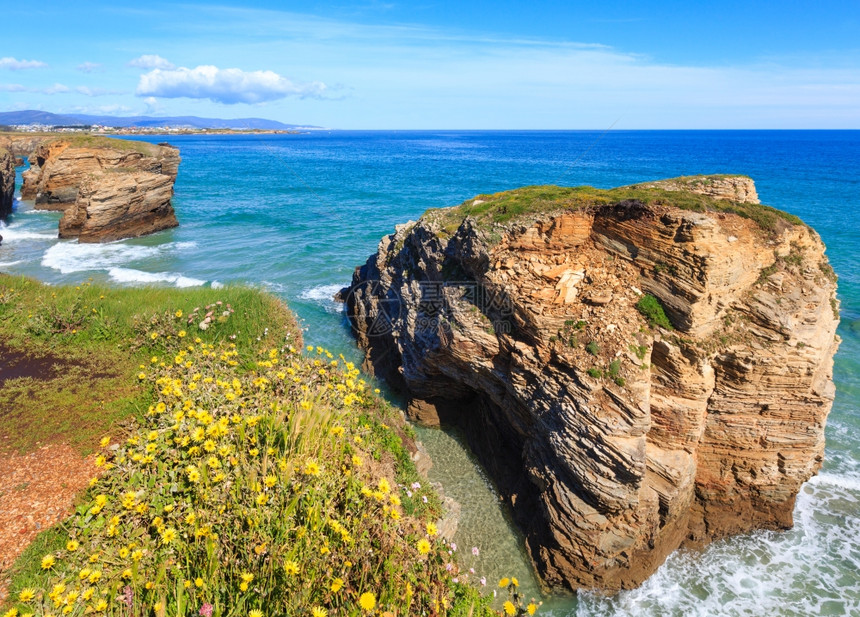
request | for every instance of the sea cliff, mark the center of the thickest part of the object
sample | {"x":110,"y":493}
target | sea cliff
{"x":7,"y":182}
{"x":108,"y":189}
{"x":639,"y":369}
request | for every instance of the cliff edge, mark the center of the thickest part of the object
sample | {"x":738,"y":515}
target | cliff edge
{"x":639,"y":369}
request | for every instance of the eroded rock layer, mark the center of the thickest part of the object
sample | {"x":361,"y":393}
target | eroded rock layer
{"x":59,"y":167}
{"x":615,"y":440}
{"x":7,"y":182}
{"x":112,"y":206}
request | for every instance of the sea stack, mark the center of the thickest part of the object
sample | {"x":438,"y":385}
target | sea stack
{"x":639,"y":369}
{"x":108,"y":189}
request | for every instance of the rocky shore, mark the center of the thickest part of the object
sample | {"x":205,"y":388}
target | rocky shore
{"x":638,"y":369}
{"x":108,"y":189}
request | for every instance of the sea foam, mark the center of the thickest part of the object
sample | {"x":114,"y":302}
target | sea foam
{"x":130,"y":275}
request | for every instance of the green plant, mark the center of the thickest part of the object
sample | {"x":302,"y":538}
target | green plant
{"x":653,"y":311}
{"x":595,"y":372}
{"x":620,"y":381}
{"x":593,"y":348}
{"x":614,"y":368}
{"x":639,"y":350}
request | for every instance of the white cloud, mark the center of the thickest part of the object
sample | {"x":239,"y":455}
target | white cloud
{"x":87,"y":91}
{"x":55,"y":89}
{"x":152,"y":105}
{"x":13,"y":64}
{"x":224,"y":85}
{"x":151,"y":61}
{"x":90,"y":67}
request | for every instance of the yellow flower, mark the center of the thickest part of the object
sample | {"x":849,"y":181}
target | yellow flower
{"x":71,"y":545}
{"x":48,"y":562}
{"x":168,"y":535}
{"x":367,"y":601}
{"x":384,"y":486}
{"x":431,"y":529}
{"x":336,"y":585}
{"x":255,"y":613}
{"x":198,"y":582}
{"x":423,"y":546}
{"x":247,"y":577}
{"x":27,"y":594}
{"x":504,"y":582}
{"x":531,"y":608}
{"x":514,"y":581}
{"x":509,"y":607}
{"x":271,"y":481}
{"x":104,"y":442}
{"x":126,"y":573}
{"x":178,"y":313}
{"x":319,"y":611}
{"x":182,"y":334}
{"x":291,"y":568}
{"x":12,"y":612}
{"x":312,"y":469}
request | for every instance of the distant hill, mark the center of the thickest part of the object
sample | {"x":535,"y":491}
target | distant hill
{"x":43,"y":117}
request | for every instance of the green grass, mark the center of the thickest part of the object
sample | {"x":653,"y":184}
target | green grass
{"x":86,"y":140}
{"x":653,"y":312}
{"x":70,"y":334}
{"x":509,"y":206}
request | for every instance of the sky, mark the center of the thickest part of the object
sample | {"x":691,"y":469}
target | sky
{"x":443,"y":65}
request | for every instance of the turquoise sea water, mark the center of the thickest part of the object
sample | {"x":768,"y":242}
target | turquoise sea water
{"x":296,"y":213}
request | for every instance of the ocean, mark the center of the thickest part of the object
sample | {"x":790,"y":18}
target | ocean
{"x":295,"y":214}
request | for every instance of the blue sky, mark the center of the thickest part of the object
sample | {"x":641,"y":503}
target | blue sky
{"x":456,"y":65}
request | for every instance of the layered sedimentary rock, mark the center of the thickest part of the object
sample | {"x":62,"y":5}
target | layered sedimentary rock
{"x":615,"y":440}
{"x":59,"y":167}
{"x":22,"y":145}
{"x":111,"y":206}
{"x":7,"y":182}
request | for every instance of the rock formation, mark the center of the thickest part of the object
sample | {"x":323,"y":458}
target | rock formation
{"x":22,"y":145}
{"x":59,"y":167}
{"x":111,"y":206}
{"x":7,"y":182}
{"x":639,"y":369}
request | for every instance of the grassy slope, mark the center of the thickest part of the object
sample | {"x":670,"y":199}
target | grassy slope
{"x":298,"y":484}
{"x":508,"y":206}
{"x":73,"y":333}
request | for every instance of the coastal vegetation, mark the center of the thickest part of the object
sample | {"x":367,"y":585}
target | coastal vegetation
{"x":533,"y":201}
{"x":240,"y":472}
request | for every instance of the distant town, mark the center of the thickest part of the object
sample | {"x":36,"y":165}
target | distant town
{"x":101,"y":129}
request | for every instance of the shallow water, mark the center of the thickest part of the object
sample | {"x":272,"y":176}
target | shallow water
{"x":296,"y":213}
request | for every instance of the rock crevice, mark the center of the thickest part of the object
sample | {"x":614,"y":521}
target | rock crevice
{"x":615,"y":440}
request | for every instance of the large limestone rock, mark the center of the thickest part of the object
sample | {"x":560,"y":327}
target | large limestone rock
{"x":59,"y":167}
{"x":7,"y":182}
{"x":615,"y":441}
{"x":113,"y":205}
